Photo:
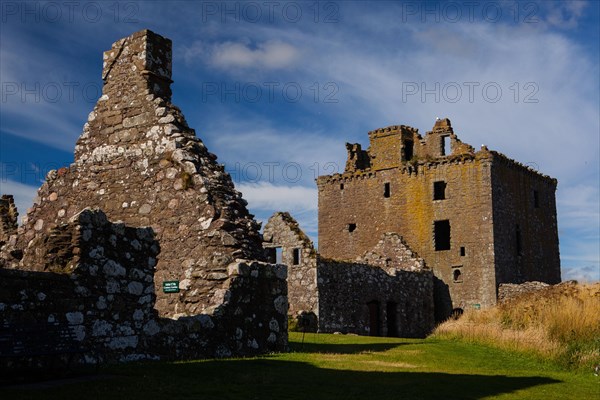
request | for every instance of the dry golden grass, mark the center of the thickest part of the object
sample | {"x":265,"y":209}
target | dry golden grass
{"x":560,"y":322}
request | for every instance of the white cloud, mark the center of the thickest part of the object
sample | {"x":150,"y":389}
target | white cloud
{"x":579,"y":208}
{"x":266,"y":196}
{"x":270,"y":55}
{"x":256,"y":150}
{"x":23,"y":195}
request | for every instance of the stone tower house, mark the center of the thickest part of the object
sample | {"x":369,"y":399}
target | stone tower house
{"x":477,"y":218}
{"x":140,"y":163}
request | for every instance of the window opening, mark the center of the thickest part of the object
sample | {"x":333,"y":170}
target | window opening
{"x":439,"y":190}
{"x":456,"y":275}
{"x":296,"y":257}
{"x":441,"y":235}
{"x":408,"y":150}
{"x":445,"y":145}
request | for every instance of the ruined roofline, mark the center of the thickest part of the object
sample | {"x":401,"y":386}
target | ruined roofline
{"x":410,"y":168}
{"x":413,"y":168}
{"x":388,"y":130}
{"x":294,"y":227}
{"x":359,"y":163}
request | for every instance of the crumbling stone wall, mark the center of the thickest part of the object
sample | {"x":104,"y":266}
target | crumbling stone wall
{"x":509,"y":291}
{"x":356,"y":297}
{"x":387,"y":291}
{"x":106,"y":292}
{"x":138,"y":161}
{"x":409,"y":191}
{"x":282,"y":231}
{"x":8,"y":219}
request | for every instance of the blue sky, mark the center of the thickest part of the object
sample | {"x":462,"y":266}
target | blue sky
{"x":276,"y":88}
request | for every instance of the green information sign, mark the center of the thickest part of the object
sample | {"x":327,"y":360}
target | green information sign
{"x":477,"y":306}
{"x":171,"y":287}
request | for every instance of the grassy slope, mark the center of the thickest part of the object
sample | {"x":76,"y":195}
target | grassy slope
{"x":341,"y":367}
{"x":561,"y":323}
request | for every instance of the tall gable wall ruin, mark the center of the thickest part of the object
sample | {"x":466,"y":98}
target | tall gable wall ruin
{"x":139,"y":162}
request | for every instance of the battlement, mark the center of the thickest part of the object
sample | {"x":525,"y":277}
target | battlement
{"x":396,"y":146}
{"x":392,"y":129}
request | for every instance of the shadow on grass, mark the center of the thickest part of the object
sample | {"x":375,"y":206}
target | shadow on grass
{"x":342,"y":348}
{"x":268,"y":378}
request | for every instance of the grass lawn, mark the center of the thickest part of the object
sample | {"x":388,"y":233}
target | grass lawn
{"x":337,"y":367}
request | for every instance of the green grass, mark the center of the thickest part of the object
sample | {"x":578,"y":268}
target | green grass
{"x":339,"y":367}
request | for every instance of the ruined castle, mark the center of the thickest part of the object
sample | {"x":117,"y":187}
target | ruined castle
{"x":416,"y":228}
{"x":145,"y":250}
{"x":477,"y":218}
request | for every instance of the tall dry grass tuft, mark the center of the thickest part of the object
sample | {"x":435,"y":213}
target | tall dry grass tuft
{"x":560,"y":322}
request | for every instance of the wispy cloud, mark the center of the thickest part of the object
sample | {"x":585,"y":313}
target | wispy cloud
{"x":270,"y":54}
{"x":265,"y":198}
{"x":564,"y":14}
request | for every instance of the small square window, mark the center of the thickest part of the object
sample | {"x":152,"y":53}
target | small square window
{"x":351,"y":227}
{"x":386,"y":190}
{"x":439,"y":190}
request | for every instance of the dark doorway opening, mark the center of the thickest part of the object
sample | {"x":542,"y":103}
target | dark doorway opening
{"x":374,"y":321}
{"x":392,"y":321}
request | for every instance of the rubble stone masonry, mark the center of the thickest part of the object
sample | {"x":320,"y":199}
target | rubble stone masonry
{"x":169,"y":263}
{"x":388,"y":291}
{"x":139,"y":162}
